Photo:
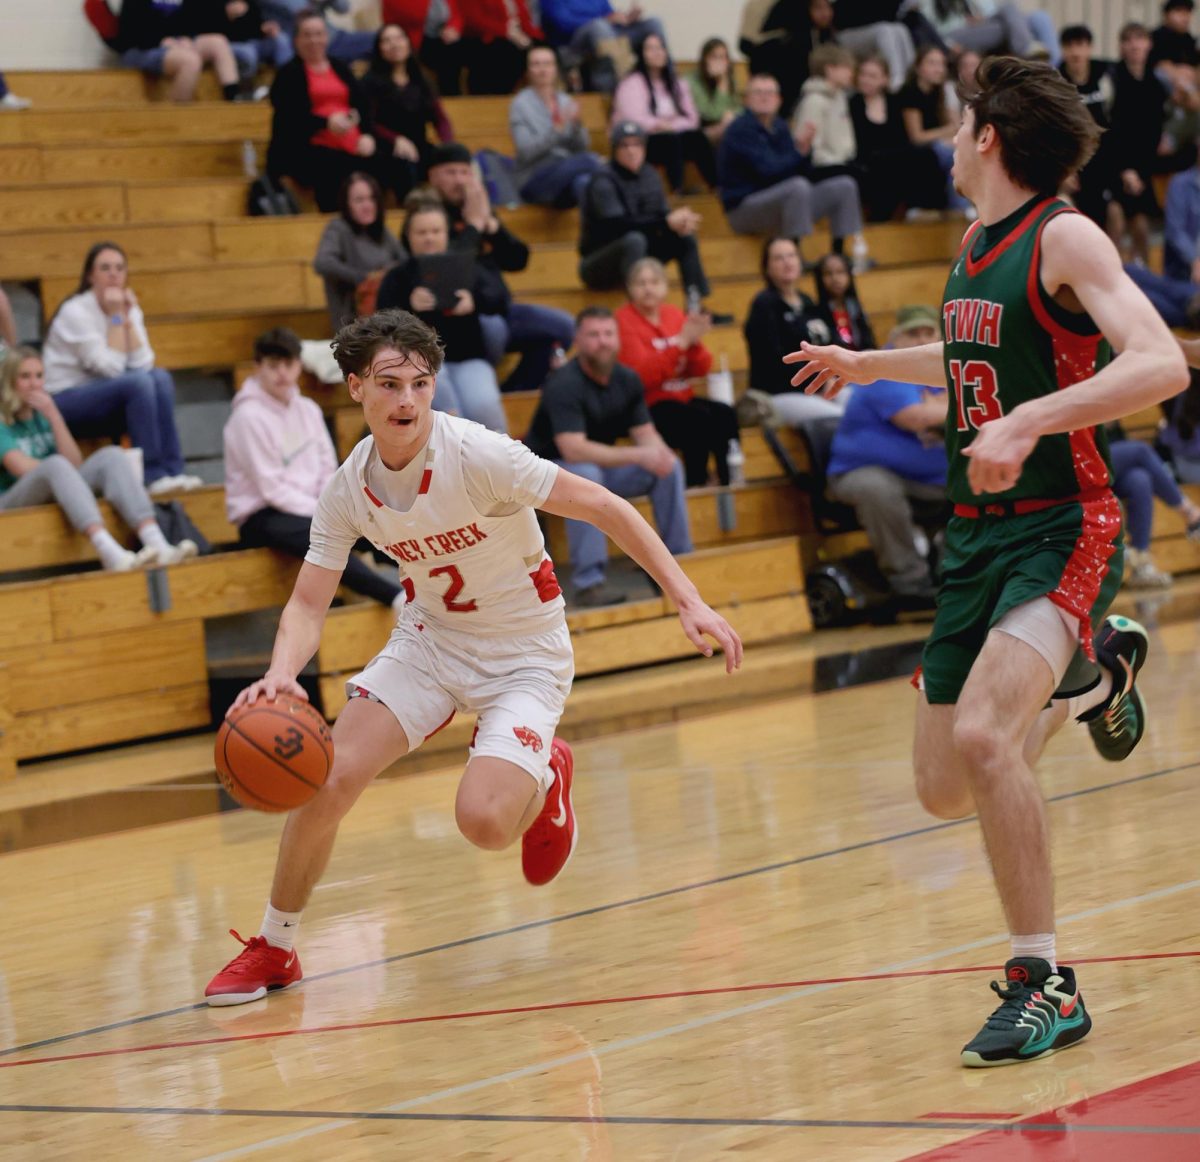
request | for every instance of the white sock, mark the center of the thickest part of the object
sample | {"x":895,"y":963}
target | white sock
{"x":152,"y":536}
{"x":1082,"y":703}
{"x":1040,"y":945}
{"x":280,"y":927}
{"x":111,"y":553}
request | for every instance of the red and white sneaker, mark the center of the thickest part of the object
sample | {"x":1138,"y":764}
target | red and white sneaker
{"x":259,"y":968}
{"x":547,"y":845}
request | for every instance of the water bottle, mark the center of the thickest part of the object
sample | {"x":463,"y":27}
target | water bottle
{"x":737,"y":463}
{"x":249,"y":159}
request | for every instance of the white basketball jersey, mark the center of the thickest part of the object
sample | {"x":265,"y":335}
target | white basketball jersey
{"x":487,"y":575}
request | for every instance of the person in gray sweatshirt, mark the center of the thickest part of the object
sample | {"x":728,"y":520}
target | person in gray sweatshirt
{"x":554,"y":162}
{"x":355,"y":245}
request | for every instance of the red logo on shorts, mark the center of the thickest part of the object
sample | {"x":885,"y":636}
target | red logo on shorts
{"x":529,"y":738}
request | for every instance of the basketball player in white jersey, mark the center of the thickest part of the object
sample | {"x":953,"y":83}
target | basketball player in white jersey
{"x":484,"y":630}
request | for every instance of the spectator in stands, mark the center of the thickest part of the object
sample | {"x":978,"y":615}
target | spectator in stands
{"x":986,"y":26}
{"x":435,"y":29}
{"x":321,"y":131}
{"x":1093,"y":186}
{"x":887,"y":452}
{"x":253,"y":39}
{"x":9,"y":100}
{"x":1173,"y":50}
{"x":761,"y":174}
{"x":345,"y":44}
{"x":838,"y":304}
{"x":466,"y":384}
{"x":161,"y":40}
{"x":40,"y":463}
{"x":8,"y":325}
{"x":356,"y":249}
{"x":497,"y":34}
{"x":782,"y":317}
{"x":823,"y":115}
{"x":1139,"y":475}
{"x":586,"y":407}
{"x":873,"y":28}
{"x":927,"y":118}
{"x":654,"y":97}
{"x":278,"y":459}
{"x":597,"y":36}
{"x":625,"y":216}
{"x":713,"y":91}
{"x":533,"y":330}
{"x":894,"y":172}
{"x":554,"y":161}
{"x":665,"y":348}
{"x":402,"y":108}
{"x":100,"y":369}
{"x":1137,"y":118}
{"x":1179,"y":437}
{"x":773,"y":37}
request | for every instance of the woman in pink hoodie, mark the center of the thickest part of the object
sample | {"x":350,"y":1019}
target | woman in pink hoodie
{"x":653,"y":97}
{"x":278,"y":459}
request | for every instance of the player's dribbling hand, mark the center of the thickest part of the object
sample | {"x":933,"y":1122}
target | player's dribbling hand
{"x":826,"y":370}
{"x":700,"y":623}
{"x":997,"y":454}
{"x":270,"y":687}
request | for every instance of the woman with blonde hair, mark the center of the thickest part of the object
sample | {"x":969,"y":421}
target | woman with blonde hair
{"x":40,"y":463}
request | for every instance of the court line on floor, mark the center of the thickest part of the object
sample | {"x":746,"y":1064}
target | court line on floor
{"x":588,"y":1002}
{"x":599,"y":909}
{"x":608,"y":1120}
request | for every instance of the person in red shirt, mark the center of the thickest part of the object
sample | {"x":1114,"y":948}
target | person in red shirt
{"x":663,"y":345}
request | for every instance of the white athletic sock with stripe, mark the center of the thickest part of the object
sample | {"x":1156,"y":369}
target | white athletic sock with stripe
{"x":280,"y":927}
{"x":1040,"y":945}
{"x":110,"y":552}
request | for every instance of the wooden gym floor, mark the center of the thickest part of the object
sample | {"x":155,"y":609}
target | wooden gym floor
{"x":762,"y":949}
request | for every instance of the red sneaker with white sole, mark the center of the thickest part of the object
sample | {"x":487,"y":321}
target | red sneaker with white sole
{"x":547,"y":845}
{"x":259,"y":968}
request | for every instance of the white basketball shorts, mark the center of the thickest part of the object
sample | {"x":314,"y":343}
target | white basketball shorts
{"x":516,"y":686}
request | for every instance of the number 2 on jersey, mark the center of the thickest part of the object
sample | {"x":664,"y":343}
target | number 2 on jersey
{"x":453,"y":590}
{"x":979,"y":377}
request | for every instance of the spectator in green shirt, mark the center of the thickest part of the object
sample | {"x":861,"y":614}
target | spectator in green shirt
{"x":712,"y":88}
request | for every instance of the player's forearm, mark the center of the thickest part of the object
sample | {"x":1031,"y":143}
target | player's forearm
{"x":1134,"y":380}
{"x":628,"y":529}
{"x":922,"y":365}
{"x":297,"y":639}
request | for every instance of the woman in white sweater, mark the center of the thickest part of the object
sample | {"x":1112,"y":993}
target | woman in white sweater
{"x":100,"y":370}
{"x":554,"y":162}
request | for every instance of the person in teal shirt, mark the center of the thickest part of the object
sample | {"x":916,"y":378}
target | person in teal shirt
{"x":40,"y":463}
{"x":713,"y":91}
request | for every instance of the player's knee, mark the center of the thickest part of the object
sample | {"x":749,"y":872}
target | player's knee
{"x":984,"y":748}
{"x":942,"y":795}
{"x":481,"y":825}
{"x":341,"y":791}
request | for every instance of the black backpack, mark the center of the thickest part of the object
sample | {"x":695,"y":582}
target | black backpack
{"x":267,"y":200}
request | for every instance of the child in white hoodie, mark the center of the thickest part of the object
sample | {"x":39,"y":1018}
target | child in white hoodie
{"x":278,"y":459}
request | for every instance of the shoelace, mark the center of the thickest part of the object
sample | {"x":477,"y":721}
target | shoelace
{"x":243,"y":963}
{"x":1014,"y":996}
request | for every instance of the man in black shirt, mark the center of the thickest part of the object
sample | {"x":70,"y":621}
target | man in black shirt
{"x":1094,"y":84}
{"x":533,"y":330}
{"x":585,"y":408}
{"x":625,"y":217}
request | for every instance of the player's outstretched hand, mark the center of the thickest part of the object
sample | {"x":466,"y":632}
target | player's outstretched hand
{"x":997,"y":454}
{"x":827,"y":369}
{"x":701,"y":623}
{"x":269,"y":687}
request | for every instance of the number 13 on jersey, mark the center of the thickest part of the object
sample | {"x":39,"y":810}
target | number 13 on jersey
{"x":978,"y":377}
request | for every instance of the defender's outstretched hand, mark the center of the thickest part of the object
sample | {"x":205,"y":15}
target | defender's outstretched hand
{"x":827,"y":369}
{"x":700,"y":622}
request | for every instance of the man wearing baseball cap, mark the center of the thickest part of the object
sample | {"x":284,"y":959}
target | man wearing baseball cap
{"x":625,"y":216}
{"x":887,"y":453}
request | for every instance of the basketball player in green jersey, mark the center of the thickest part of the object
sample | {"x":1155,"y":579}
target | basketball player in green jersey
{"x":1035,"y":302}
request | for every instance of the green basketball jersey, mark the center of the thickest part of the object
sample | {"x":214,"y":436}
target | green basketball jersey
{"x":1008,"y":341}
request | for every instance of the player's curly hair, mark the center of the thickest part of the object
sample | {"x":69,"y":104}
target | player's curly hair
{"x":356,"y":344}
{"x":1045,"y":130}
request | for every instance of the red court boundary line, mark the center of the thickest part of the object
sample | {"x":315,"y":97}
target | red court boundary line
{"x":551,"y":1006}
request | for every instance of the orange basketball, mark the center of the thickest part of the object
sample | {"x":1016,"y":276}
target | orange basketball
{"x":274,"y":756}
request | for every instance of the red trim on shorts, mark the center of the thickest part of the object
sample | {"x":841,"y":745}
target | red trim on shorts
{"x":1023,"y":507}
{"x":973,"y":267}
{"x":443,"y":727}
{"x":915,"y":680}
{"x":1078,"y":588}
{"x":372,"y":497}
